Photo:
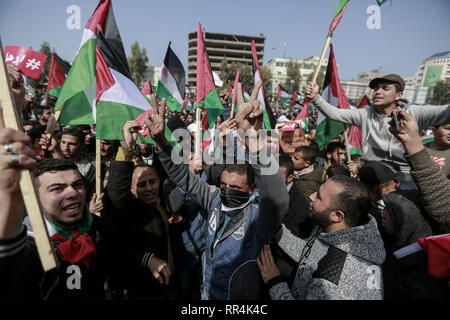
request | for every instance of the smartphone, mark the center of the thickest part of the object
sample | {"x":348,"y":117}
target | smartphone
{"x":394,"y":115}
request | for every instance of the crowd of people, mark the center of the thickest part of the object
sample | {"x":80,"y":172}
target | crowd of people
{"x":320,"y":226}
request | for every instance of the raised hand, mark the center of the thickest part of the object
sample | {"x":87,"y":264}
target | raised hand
{"x":128,"y":136}
{"x":16,"y":83}
{"x":225,"y":127}
{"x":312,"y":90}
{"x":249,"y":115}
{"x":156,"y":122}
{"x":408,"y":133}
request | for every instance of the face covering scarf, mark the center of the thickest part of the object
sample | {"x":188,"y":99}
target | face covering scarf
{"x":233,"y":198}
{"x":75,"y":245}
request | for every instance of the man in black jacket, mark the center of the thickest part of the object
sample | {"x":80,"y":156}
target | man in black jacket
{"x":297,"y":219}
{"x":134,"y":209}
{"x":76,"y":234}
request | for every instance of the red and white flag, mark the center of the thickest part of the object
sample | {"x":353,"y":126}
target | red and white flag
{"x":30,"y":62}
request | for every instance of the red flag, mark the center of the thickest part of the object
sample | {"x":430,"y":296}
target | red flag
{"x":304,"y":113}
{"x":186,"y":101}
{"x":342,"y":5}
{"x":207,"y":96}
{"x":438,"y":252}
{"x":236,"y":81}
{"x":364,"y":102}
{"x":230,"y":90}
{"x":294,"y":99}
{"x":147,"y":89}
{"x":279,"y":93}
{"x":30,"y":62}
{"x":57,"y":73}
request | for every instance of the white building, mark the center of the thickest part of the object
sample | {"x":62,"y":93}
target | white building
{"x":152,"y":74}
{"x":367,"y":76}
{"x":278,"y":67}
{"x":433,"y":69}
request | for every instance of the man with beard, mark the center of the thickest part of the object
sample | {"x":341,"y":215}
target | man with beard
{"x":237,"y":228}
{"x":342,"y":257}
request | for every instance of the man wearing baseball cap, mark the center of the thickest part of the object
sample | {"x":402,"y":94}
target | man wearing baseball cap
{"x":373,"y":120}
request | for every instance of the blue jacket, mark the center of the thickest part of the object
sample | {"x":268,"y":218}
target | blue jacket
{"x":229,"y":264}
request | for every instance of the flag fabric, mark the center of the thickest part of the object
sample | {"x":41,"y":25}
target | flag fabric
{"x":57,"y":75}
{"x":342,"y":5}
{"x":304,"y":115}
{"x":78,"y":97}
{"x":147,"y":90}
{"x":354,"y":134}
{"x":172,"y":81}
{"x":269,"y":120}
{"x":437,"y":249}
{"x":28,"y":61}
{"x":207,"y":96}
{"x":334,"y":94}
{"x":190,"y":105}
{"x":428,"y":139}
{"x":118,"y":98}
{"x":294,"y":99}
{"x":284,"y":98}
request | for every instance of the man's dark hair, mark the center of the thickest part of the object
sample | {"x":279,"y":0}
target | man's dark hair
{"x":75,"y":132}
{"x":54,"y":165}
{"x":39,"y":109}
{"x":336,"y":169}
{"x":332,"y":146}
{"x":354,"y":200}
{"x":286,"y":162}
{"x":242,"y":169}
{"x":309,"y":153}
{"x":36,"y":132}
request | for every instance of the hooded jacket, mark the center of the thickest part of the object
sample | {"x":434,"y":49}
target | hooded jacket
{"x":341,"y":265}
{"x":377,"y":142}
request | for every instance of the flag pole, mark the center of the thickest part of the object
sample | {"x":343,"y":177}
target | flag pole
{"x":98,"y":164}
{"x":197,"y":132}
{"x":347,"y":148}
{"x":27,"y":183}
{"x":324,"y":50}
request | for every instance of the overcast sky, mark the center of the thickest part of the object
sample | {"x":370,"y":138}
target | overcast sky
{"x":411,"y":30}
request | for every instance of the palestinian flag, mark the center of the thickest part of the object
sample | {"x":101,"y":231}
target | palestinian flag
{"x":172,"y":81}
{"x":269,"y":120}
{"x":304,"y":115}
{"x":147,"y":90}
{"x":76,"y":102}
{"x":354,"y":134}
{"x":283,"y":97}
{"x":334,"y":94}
{"x":57,"y":75}
{"x":207,"y":96}
{"x":118,"y":98}
{"x":342,"y":5}
{"x":428,"y":139}
{"x":187,"y":105}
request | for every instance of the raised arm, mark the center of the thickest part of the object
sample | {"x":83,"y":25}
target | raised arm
{"x":349,"y":116}
{"x":190,"y":183}
{"x":432,"y":183}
